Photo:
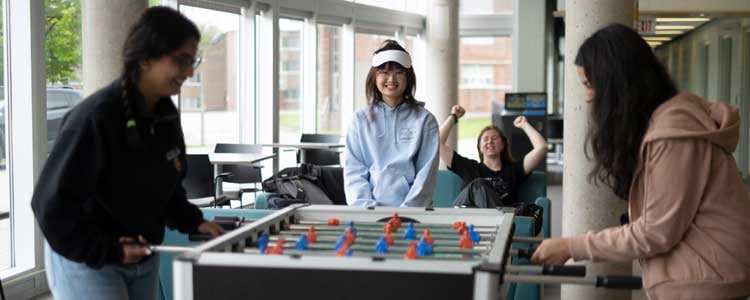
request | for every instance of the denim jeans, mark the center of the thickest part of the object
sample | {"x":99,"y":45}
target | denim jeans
{"x":68,"y":279}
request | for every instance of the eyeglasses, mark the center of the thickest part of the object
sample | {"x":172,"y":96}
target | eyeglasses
{"x":185,"y":61}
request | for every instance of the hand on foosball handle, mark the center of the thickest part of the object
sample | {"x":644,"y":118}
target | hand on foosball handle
{"x":133,"y":251}
{"x":554,"y":251}
{"x":210,"y":228}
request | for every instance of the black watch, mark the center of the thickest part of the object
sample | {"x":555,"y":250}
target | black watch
{"x":455,"y":118}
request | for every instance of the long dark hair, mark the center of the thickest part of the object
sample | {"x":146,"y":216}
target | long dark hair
{"x":505,"y":155}
{"x":371,"y":89}
{"x":629,"y":83}
{"x":159,"y":31}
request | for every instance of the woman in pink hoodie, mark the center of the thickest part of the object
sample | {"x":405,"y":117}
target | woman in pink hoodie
{"x":669,"y":154}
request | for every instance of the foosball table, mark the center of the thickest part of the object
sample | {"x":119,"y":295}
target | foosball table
{"x":341,"y":252}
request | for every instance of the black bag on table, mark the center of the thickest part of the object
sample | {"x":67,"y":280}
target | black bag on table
{"x":295,"y":185}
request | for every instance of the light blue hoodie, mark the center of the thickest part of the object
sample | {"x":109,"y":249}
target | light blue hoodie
{"x":392,"y":159}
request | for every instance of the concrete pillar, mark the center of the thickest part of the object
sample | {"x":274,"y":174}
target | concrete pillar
{"x":442,"y":60}
{"x":587,"y":207}
{"x":529,"y":68}
{"x":104,"y":26}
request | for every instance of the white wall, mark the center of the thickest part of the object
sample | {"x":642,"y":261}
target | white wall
{"x":692,"y":44}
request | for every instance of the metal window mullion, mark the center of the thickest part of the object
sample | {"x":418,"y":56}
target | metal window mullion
{"x":26,"y":111}
{"x":309,"y":76}
{"x":268,"y":81}
{"x":246,"y":81}
{"x":347,"y":77}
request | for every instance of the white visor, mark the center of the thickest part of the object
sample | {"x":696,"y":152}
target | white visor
{"x":398,"y":56}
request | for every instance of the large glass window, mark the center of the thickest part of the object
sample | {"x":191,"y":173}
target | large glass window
{"x":290,"y":80}
{"x":5,"y":240}
{"x":208,"y":101}
{"x":364,"y":46}
{"x":485,"y":77}
{"x":291,"y":108}
{"x":486,"y":6}
{"x":412,"y":6}
{"x":330,"y":61}
{"x":63,"y":61}
{"x":63,"y":57}
{"x":391,"y":4}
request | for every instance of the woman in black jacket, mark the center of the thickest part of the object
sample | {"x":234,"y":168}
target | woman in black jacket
{"x":114,"y":177}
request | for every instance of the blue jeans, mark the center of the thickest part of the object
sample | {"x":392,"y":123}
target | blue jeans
{"x":73,"y":280}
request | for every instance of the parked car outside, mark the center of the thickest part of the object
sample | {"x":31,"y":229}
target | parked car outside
{"x":59,"y":101}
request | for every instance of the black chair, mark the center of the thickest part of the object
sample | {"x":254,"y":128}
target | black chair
{"x":319,"y":157}
{"x":240,"y":174}
{"x":200,"y":183}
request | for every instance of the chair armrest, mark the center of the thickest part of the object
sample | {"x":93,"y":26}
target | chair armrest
{"x":546,"y":205}
{"x":224,"y":175}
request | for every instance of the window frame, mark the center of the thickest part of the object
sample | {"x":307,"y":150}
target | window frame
{"x":27,"y":141}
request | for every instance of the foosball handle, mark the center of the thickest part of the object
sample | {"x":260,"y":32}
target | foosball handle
{"x":619,"y":282}
{"x":525,"y":253}
{"x":199,"y":237}
{"x":576,"y":271}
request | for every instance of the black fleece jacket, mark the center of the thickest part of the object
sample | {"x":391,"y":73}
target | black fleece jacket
{"x":96,"y":186}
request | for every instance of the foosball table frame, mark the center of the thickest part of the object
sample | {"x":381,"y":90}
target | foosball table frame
{"x":222,"y":268}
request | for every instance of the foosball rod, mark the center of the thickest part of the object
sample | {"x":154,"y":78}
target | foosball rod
{"x":560,"y":270}
{"x":610,"y":282}
{"x":169,"y":249}
{"x":528,"y":239}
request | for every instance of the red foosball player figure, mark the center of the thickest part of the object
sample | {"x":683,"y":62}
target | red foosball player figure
{"x":411,"y":253}
{"x":460,"y":227}
{"x":311,"y":235}
{"x":343,"y":250}
{"x":426,"y":235}
{"x":395,"y":221}
{"x":465,"y":242}
{"x":278,"y":249}
{"x":388,"y":238}
{"x":333,"y":222}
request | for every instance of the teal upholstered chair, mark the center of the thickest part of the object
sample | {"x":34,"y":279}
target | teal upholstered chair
{"x":533,"y":190}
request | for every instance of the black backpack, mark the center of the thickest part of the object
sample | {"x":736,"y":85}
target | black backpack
{"x":296,"y":185}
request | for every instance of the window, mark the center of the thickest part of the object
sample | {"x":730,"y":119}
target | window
{"x":330,"y":60}
{"x":477,"y":75}
{"x":391,"y":4}
{"x":364,"y":46}
{"x":485,"y":74}
{"x":5,"y":240}
{"x":485,"y":6}
{"x":412,"y":6}
{"x":291,"y":108}
{"x":290,"y":80}
{"x":56,"y":100}
{"x":209,"y":108}
{"x":63,"y":57}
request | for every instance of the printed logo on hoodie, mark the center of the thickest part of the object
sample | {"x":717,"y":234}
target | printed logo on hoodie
{"x":406,"y":135}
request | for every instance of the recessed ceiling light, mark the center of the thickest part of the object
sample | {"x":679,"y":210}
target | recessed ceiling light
{"x":657,"y":38}
{"x":674,"y":27}
{"x":683,"y":19}
{"x":668,"y":32}
{"x":654,"y":44}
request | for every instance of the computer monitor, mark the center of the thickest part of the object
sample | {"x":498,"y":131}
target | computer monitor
{"x":525,"y":101}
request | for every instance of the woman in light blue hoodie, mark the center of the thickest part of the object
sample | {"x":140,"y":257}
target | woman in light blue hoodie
{"x":392,"y":144}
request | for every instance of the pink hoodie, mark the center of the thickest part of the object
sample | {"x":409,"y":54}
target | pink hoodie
{"x":689,"y":210}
